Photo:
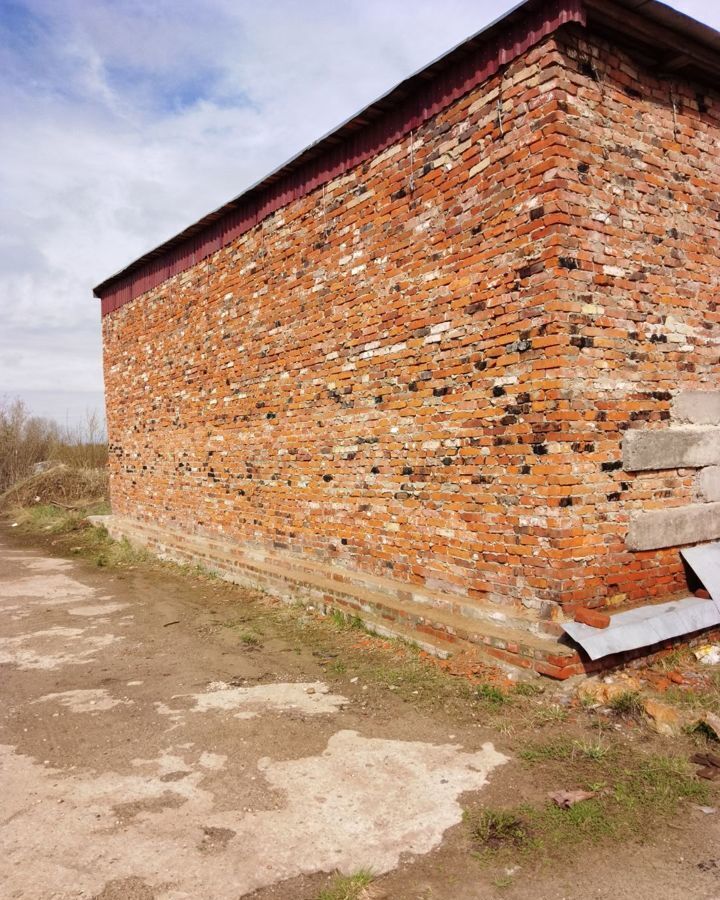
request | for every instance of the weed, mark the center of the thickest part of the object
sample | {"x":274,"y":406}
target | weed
{"x":197,"y":570}
{"x":626,"y":703}
{"x":586,"y":701}
{"x":347,"y":887}
{"x":337,"y":618}
{"x":496,"y":829}
{"x":250,"y":639}
{"x":593,"y":750}
{"x":344,"y":622}
{"x":527,"y":689}
{"x":549,"y":715}
{"x":489,"y":693}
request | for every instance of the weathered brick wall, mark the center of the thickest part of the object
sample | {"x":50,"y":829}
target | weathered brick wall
{"x":425,"y":369}
{"x":367,"y":377}
{"x":641,"y":310}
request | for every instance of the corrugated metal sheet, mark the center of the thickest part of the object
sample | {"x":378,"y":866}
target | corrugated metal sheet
{"x":378,"y":126}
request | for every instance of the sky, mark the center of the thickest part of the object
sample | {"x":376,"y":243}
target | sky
{"x":123,"y":121}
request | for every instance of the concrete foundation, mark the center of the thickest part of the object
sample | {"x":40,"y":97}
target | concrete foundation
{"x":437,"y":623}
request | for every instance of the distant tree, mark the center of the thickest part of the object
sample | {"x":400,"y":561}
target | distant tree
{"x":25,"y":440}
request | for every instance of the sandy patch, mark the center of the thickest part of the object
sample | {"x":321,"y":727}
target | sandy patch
{"x":49,"y":590}
{"x":52,"y":648}
{"x":310,"y":698}
{"x":97,"y":609}
{"x":46,"y":564}
{"x":83,"y":701}
{"x":214,"y":761}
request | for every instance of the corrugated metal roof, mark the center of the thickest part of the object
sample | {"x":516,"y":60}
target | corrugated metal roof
{"x":646,"y":26}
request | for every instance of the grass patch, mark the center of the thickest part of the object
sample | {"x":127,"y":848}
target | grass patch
{"x":347,"y":887}
{"x":557,"y":749}
{"x":78,"y":536}
{"x":44,"y":518}
{"x":704,"y":700}
{"x":565,"y":750}
{"x":678,"y":657}
{"x":411,"y":676}
{"x":633,"y":798}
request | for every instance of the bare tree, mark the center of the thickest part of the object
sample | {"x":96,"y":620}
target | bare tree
{"x":24,"y":441}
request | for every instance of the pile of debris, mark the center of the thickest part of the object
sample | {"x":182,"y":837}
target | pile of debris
{"x":58,"y":485}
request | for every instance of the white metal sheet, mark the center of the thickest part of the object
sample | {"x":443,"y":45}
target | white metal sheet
{"x":705,"y":563}
{"x":645,"y":625}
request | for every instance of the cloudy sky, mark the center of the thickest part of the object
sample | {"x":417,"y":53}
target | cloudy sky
{"x":125,"y":120}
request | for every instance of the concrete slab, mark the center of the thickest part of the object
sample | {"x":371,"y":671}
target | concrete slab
{"x":675,"y":527}
{"x":258,"y":779}
{"x":689,"y":447}
{"x":697,"y":407}
{"x":707,"y":484}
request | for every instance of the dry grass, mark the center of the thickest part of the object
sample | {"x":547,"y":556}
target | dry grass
{"x":60,"y":485}
{"x":349,"y":887}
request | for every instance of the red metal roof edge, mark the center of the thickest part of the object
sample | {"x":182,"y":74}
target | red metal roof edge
{"x":386,"y":121}
{"x":382,"y":123}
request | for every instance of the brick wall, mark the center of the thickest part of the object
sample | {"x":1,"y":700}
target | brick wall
{"x":424,"y":370}
{"x":640,"y":311}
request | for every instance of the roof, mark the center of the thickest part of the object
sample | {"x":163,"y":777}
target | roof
{"x":662,"y":38}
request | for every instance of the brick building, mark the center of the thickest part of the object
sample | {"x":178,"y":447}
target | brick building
{"x":454,"y":368}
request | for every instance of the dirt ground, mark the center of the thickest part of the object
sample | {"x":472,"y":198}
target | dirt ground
{"x":165,"y":736}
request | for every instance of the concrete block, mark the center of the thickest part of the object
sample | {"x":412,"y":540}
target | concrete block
{"x":697,"y":407}
{"x":691,"y":447}
{"x":674,"y":527}
{"x":707,"y":483}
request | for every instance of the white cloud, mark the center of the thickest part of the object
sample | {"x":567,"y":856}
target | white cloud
{"x":124,"y":121}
